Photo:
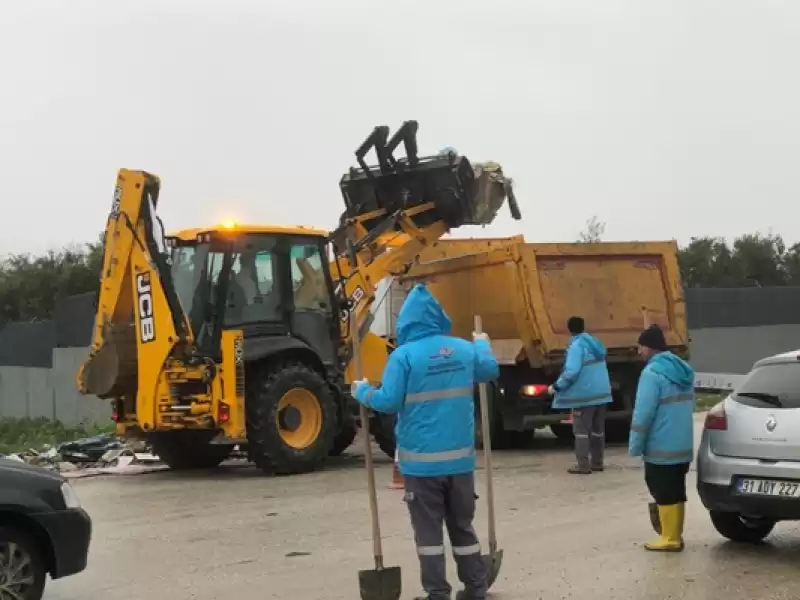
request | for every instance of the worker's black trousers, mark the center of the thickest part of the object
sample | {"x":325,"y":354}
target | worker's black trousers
{"x":433,"y":501}
{"x":667,"y":483}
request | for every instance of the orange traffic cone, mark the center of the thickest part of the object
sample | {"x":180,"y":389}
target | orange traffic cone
{"x":397,"y":477}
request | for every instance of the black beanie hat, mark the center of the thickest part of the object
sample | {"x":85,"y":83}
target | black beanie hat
{"x":575,"y":325}
{"x":653,"y":338}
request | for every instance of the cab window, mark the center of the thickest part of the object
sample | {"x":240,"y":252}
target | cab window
{"x":309,"y":287}
{"x":253,"y":294}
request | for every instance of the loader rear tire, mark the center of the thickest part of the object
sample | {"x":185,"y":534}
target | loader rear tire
{"x":188,"y":450}
{"x":292,"y":419}
{"x":382,"y":430}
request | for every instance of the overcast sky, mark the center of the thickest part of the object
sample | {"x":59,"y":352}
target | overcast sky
{"x":666,"y":119}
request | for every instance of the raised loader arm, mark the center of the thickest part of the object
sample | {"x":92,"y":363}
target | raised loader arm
{"x":393,"y":212}
{"x":139,"y":322}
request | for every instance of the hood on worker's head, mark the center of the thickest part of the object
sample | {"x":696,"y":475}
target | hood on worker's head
{"x":673,"y":368}
{"x":593,"y":346}
{"x":421,"y":316}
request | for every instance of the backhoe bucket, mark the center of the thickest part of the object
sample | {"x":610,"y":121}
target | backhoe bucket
{"x":462,"y":193}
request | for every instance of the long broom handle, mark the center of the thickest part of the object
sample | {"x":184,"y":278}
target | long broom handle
{"x":487,"y":451}
{"x":377,"y":548}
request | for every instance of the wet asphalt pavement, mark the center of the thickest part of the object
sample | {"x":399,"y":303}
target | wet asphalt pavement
{"x":232,"y":533}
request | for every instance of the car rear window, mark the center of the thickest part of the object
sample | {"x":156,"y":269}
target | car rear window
{"x":771,"y":386}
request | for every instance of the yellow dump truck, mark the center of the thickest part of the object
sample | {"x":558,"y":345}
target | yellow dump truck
{"x":525,"y":292}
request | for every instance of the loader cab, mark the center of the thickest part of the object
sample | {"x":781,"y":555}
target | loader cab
{"x":271,"y":283}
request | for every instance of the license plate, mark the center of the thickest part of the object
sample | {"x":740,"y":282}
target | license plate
{"x":769,"y":487}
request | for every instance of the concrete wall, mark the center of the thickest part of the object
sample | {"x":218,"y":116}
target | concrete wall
{"x":50,"y":393}
{"x":735,"y":349}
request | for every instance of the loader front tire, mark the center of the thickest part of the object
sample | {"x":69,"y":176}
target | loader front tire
{"x":188,"y":450}
{"x":344,"y":439}
{"x":291,"y":419}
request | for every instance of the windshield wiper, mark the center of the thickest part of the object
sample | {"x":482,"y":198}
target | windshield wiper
{"x":770,"y":399}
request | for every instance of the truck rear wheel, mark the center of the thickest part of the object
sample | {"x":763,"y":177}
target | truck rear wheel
{"x":291,"y":419}
{"x":618,"y":431}
{"x":188,"y":450}
{"x":563,"y":432}
{"x":502,"y":439}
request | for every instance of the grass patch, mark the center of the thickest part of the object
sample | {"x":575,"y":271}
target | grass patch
{"x":17,"y":435}
{"x":705,"y":400}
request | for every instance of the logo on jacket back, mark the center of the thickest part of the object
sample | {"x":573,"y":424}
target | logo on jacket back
{"x":441,"y":362}
{"x":446,"y":352}
{"x":144,"y":306}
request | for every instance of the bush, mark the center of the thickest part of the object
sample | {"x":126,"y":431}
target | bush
{"x":17,"y":435}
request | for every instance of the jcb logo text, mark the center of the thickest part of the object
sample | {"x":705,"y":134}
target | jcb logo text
{"x":147,"y":328}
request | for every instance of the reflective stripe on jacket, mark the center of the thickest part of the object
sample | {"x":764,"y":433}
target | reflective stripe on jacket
{"x":428,"y":382}
{"x":584,"y":380}
{"x":662,"y":429}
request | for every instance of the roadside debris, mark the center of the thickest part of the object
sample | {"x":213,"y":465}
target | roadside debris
{"x":106,"y":453}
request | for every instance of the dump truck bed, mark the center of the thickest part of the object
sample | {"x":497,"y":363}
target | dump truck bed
{"x":525,"y":292}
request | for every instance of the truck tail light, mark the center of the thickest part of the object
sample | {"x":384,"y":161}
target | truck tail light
{"x":536,"y":389}
{"x":224,"y":412}
{"x":716,"y":419}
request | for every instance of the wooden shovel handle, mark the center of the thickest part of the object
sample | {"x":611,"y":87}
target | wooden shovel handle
{"x":487,"y":451}
{"x":377,"y":547}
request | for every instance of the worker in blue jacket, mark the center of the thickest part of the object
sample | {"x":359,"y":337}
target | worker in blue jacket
{"x":662,"y":433}
{"x":584,"y":387}
{"x":429,"y":383}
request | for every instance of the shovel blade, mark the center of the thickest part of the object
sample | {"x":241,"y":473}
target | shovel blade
{"x":380,"y":584}
{"x":493,"y":563}
{"x":655,"y":519}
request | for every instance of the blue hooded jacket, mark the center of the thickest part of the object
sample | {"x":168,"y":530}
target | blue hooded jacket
{"x":584,"y":380}
{"x":429,"y":383}
{"x":662,"y":431}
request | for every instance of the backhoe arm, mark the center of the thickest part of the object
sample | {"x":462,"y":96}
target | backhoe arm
{"x":139,"y":320}
{"x":393,"y":212}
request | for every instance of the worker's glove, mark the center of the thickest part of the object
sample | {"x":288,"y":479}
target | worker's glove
{"x":354,"y":386}
{"x":551,"y":390}
{"x":480,"y":336}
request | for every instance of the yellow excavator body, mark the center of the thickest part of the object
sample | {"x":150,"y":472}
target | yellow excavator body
{"x":235,"y":334}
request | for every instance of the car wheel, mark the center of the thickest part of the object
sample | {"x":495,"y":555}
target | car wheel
{"x":738,"y":528}
{"x":22,"y":568}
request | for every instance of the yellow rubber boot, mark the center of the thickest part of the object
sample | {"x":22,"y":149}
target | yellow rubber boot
{"x":671,"y":538}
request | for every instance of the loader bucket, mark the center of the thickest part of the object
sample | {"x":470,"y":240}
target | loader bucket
{"x":462,"y":193}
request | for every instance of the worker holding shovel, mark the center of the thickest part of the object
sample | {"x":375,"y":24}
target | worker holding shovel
{"x":428,"y":382}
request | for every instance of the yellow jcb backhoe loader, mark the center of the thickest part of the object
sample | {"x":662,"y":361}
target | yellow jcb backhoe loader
{"x":240,"y":335}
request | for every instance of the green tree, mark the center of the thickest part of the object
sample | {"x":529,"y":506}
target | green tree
{"x":791,"y":265}
{"x":30,"y":286}
{"x":754,"y":259}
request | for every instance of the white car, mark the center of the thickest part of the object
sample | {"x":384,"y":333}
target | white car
{"x":748,"y":464}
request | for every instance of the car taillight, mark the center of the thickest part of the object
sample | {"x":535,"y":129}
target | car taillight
{"x":716,"y":419}
{"x":536,"y":389}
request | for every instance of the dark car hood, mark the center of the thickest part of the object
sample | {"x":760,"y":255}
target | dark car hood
{"x":21,"y":469}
